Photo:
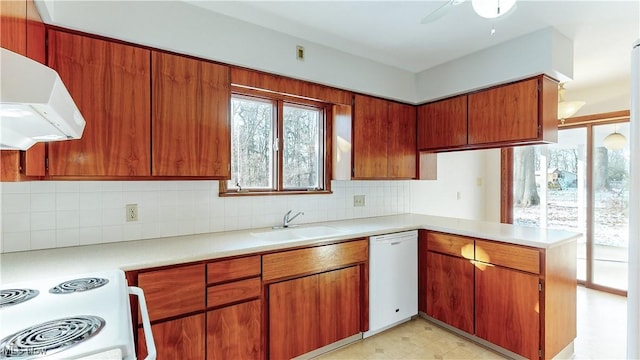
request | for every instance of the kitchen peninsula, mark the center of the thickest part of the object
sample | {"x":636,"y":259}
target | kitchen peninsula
{"x":545,"y":258}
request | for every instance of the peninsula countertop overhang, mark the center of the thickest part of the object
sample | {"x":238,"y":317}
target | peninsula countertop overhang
{"x":139,"y":254}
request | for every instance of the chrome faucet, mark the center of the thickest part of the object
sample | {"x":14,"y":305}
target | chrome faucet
{"x":286,"y":219}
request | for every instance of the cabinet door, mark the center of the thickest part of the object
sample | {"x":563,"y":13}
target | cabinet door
{"x":190,"y":117}
{"x":443,"y":124}
{"x":508,"y":309}
{"x":450,"y":290}
{"x":370,"y":138}
{"x":110,"y":84}
{"x":339,"y":304}
{"x":401,"y":149}
{"x":422,"y":271}
{"x":505,"y":113}
{"x":293,"y":317}
{"x":233,"y":332}
{"x":13,"y":34}
{"x":176,"y":339}
{"x":175,"y":291}
{"x":22,"y":31}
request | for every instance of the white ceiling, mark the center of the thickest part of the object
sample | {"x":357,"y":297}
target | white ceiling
{"x":390,"y":31}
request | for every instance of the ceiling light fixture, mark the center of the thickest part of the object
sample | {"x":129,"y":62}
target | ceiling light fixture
{"x":567,"y":109}
{"x":614,"y":141}
{"x":492,"y":9}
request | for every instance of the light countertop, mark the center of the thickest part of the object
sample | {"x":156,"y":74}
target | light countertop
{"x":139,"y":254}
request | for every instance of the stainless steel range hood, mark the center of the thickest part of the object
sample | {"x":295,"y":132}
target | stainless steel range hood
{"x":35,"y":105}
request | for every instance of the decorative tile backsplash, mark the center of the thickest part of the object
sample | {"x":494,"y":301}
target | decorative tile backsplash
{"x":49,"y":214}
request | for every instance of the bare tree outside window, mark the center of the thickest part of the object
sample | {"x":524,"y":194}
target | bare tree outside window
{"x":301,"y":147}
{"x":525,"y":192}
{"x":257,"y":152}
{"x":251,"y":141}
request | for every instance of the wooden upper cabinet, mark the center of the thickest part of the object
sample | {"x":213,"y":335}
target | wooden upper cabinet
{"x":22,"y":31}
{"x":110,"y":84}
{"x":520,"y":112}
{"x":190,"y":117}
{"x":13,"y":36}
{"x":370,"y":137}
{"x":13,"y":26}
{"x":504,"y":113}
{"x":401,"y":146}
{"x":36,"y":48}
{"x":384,"y":139}
{"x":285,"y":85}
{"x":443,"y":124}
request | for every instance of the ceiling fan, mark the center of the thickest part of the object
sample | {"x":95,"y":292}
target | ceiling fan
{"x":489,"y":9}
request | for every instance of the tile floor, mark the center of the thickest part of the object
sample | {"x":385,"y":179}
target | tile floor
{"x":601,"y":335}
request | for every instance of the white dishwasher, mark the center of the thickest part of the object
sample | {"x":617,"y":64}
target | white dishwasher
{"x":393,"y":280}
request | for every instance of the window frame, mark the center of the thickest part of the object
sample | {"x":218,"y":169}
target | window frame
{"x":279,"y":101}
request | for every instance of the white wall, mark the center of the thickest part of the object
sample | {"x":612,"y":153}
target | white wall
{"x":218,"y":37}
{"x":544,"y":51}
{"x":48,"y":214}
{"x":473,"y":175}
{"x":611,"y":96}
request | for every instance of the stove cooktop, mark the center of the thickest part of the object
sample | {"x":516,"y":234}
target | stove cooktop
{"x":10,"y":297}
{"x":66,"y":318}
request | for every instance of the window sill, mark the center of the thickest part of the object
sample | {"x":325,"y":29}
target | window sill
{"x":259,"y":193}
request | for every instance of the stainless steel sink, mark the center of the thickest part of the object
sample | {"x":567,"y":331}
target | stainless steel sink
{"x":298,"y":233}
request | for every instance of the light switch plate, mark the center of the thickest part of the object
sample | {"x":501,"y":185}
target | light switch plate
{"x":358,"y":200}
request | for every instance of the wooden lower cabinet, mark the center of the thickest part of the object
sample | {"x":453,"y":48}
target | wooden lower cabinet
{"x":508,"y":309}
{"x":293,"y":316}
{"x":520,"y":298}
{"x":313,"y":311}
{"x":450,"y":290}
{"x":173,"y":292}
{"x":339,"y":299}
{"x":177,"y":339}
{"x":233,"y":332}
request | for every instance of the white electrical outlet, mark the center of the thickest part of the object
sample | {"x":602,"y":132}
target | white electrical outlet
{"x":358,"y":200}
{"x":132,"y":212}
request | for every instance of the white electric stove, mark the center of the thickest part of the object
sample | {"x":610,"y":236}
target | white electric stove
{"x":86,"y":316}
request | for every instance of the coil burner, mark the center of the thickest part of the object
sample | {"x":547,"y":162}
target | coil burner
{"x":10,"y":297}
{"x":78,"y":285}
{"x":50,"y":337}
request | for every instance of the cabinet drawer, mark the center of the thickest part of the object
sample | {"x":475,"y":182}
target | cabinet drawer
{"x":314,"y":260}
{"x":455,"y":245}
{"x":175,"y":291}
{"x":226,"y":270}
{"x":233,"y":292}
{"x":507,"y":255}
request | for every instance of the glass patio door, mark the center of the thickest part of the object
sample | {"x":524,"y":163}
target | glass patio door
{"x":579,"y":185}
{"x":610,"y":169}
{"x":560,"y":185}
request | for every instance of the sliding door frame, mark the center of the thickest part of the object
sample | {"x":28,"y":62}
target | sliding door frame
{"x":506,"y":178}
